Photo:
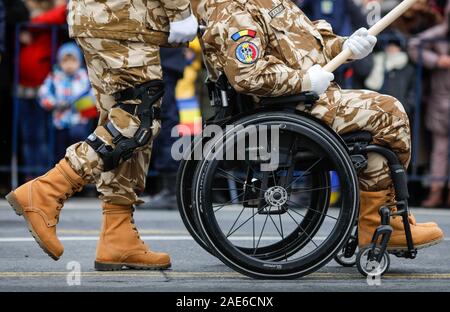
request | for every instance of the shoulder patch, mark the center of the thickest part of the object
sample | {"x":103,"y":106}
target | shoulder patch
{"x":244,"y":33}
{"x":247,"y":52}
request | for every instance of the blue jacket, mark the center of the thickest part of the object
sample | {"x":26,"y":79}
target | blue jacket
{"x":339,"y":13}
{"x":173,"y":60}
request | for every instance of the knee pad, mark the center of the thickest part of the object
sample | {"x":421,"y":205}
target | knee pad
{"x":149,"y":94}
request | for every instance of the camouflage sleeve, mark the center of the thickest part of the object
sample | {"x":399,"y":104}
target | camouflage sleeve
{"x":333,"y":42}
{"x":247,"y":65}
{"x":177,"y":10}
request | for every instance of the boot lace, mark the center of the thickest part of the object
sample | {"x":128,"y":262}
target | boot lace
{"x":133,"y":226}
{"x":61,"y":200}
{"x":392,"y":202}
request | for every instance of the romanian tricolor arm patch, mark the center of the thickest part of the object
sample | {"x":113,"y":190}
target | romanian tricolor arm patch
{"x":244,"y":33}
{"x":247,"y":52}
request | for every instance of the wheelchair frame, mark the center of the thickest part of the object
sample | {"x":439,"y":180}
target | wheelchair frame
{"x":358,"y":145}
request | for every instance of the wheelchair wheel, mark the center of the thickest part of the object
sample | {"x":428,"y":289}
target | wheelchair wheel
{"x":372,"y":268}
{"x":289,"y":204}
{"x":318,"y":200}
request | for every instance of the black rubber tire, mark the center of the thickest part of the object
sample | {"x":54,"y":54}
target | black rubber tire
{"x":361,"y":262}
{"x":185,"y":177}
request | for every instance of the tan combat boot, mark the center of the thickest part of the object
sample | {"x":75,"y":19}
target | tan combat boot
{"x":411,"y":218}
{"x":369,"y":220}
{"x":120,"y":245}
{"x":40,"y":201}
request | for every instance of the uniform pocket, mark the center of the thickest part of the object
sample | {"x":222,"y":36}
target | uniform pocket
{"x":156,"y":17}
{"x":127,"y":54}
{"x":121,"y":64}
{"x":286,"y":47}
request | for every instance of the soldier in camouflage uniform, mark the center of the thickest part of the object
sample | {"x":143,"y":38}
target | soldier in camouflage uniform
{"x":120,"y":40}
{"x":270,"y":48}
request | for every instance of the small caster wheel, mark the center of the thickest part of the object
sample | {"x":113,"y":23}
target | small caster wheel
{"x":367,"y":267}
{"x":342,"y":260}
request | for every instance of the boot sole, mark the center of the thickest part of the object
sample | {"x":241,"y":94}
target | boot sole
{"x":18,"y":209}
{"x":418,"y":247}
{"x":104,"y":266}
{"x":393,"y":249}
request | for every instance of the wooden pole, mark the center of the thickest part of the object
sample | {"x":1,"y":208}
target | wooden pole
{"x":381,"y":25}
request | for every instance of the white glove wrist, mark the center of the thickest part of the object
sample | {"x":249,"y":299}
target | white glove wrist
{"x":360,"y":43}
{"x":184,"y":30}
{"x":320,"y":79}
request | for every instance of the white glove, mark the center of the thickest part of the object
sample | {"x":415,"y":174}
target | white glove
{"x":361,"y":43}
{"x":320,"y":79}
{"x":184,"y":30}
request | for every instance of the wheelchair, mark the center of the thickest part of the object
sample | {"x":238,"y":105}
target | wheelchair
{"x":280,"y":222}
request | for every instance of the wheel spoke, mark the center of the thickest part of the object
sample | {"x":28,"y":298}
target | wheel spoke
{"x":276,"y":227}
{"x":282,"y":236}
{"x":302,"y":190}
{"x":262,"y":231}
{"x":228,"y":202}
{"x":309,"y":236}
{"x":274,"y":178}
{"x":303,"y":174}
{"x":234,"y":203}
{"x":309,"y":208}
{"x":242,"y":210}
{"x":229,"y":175}
{"x":252,"y":217}
{"x":253,"y":226}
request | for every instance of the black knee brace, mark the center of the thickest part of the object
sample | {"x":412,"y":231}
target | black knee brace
{"x":148,"y":93}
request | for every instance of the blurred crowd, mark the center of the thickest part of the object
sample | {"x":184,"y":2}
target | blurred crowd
{"x":43,"y":77}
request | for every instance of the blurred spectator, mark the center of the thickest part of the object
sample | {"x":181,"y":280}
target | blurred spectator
{"x":2,"y":29}
{"x":14,"y":12}
{"x":420,"y":17}
{"x":436,"y":56}
{"x":35,"y":65}
{"x":186,"y":93}
{"x":35,"y":57}
{"x":67,"y":93}
{"x":345,"y":17}
{"x":439,"y":5}
{"x":393,"y":74}
{"x":173,"y":64}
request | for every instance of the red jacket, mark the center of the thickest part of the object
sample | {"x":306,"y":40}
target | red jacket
{"x":35,"y":58}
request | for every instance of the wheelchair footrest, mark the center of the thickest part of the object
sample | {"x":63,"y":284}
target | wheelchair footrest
{"x":408,"y":254}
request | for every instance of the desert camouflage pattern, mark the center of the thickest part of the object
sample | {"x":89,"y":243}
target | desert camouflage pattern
{"x":288,"y":44}
{"x":115,"y":65}
{"x":349,"y":111}
{"x":132,"y":20}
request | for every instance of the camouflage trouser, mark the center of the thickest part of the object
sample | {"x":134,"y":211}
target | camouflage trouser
{"x":115,"y":65}
{"x":356,"y":110}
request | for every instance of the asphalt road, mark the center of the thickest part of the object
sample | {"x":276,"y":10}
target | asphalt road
{"x":25,"y":267}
